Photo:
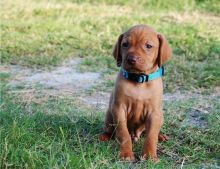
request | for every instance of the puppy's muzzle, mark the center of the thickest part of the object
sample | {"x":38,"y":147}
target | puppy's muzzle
{"x":132,"y":60}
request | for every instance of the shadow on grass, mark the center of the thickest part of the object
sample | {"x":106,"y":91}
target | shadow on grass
{"x":42,"y":139}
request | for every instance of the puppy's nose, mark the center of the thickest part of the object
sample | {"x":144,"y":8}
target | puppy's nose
{"x":131,"y":59}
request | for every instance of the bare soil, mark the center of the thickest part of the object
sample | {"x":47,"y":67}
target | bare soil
{"x":67,"y":81}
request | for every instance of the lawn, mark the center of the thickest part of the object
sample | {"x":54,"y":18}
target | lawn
{"x":41,"y":130}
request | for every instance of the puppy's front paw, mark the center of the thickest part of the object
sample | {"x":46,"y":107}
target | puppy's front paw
{"x":127,"y":156}
{"x":155,"y":159}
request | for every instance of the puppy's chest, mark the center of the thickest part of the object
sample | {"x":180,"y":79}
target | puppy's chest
{"x":137,"y":111}
{"x":138,"y":94}
{"x":139,"y":103}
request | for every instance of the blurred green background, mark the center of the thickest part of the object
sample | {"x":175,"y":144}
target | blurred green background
{"x":40,"y":33}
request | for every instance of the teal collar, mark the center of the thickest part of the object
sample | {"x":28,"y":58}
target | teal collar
{"x":141,"y":78}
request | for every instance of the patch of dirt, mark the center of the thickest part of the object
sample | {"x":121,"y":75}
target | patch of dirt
{"x":214,"y":165}
{"x":196,"y":118}
{"x":99,"y":100}
{"x":65,"y":77}
{"x":186,"y":95}
{"x":66,"y":81}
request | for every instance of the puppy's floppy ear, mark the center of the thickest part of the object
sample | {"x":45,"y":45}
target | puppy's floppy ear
{"x":117,"y":51}
{"x":165,"y":51}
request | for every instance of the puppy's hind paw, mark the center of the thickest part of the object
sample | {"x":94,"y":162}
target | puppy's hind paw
{"x":105,"y":137}
{"x":163,"y":137}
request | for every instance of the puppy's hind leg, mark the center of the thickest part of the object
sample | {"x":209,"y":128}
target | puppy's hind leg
{"x":108,"y":128}
{"x":162,"y":137}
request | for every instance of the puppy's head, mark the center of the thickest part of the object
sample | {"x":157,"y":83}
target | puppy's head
{"x":141,"y":49}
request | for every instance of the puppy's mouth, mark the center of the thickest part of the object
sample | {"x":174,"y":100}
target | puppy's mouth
{"x":136,"y":68}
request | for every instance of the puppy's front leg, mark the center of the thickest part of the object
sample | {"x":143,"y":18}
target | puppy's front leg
{"x":122,"y":135}
{"x":153,"y":124}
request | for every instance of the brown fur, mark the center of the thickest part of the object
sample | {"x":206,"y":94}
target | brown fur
{"x":137,"y":107}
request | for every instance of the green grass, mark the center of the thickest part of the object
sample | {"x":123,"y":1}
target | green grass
{"x":59,"y":133}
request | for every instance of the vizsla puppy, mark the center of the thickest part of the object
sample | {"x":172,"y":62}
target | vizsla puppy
{"x":136,"y":101}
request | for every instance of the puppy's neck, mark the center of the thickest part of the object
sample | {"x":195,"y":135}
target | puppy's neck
{"x":154,"y":69}
{"x":148,"y":71}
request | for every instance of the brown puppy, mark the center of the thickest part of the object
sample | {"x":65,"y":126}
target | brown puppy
{"x":136,"y":107}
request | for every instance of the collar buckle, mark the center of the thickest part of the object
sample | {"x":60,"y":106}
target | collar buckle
{"x":142,"y":78}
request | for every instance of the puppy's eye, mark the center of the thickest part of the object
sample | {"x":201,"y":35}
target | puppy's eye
{"x":148,"y":46}
{"x":125,"y":44}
